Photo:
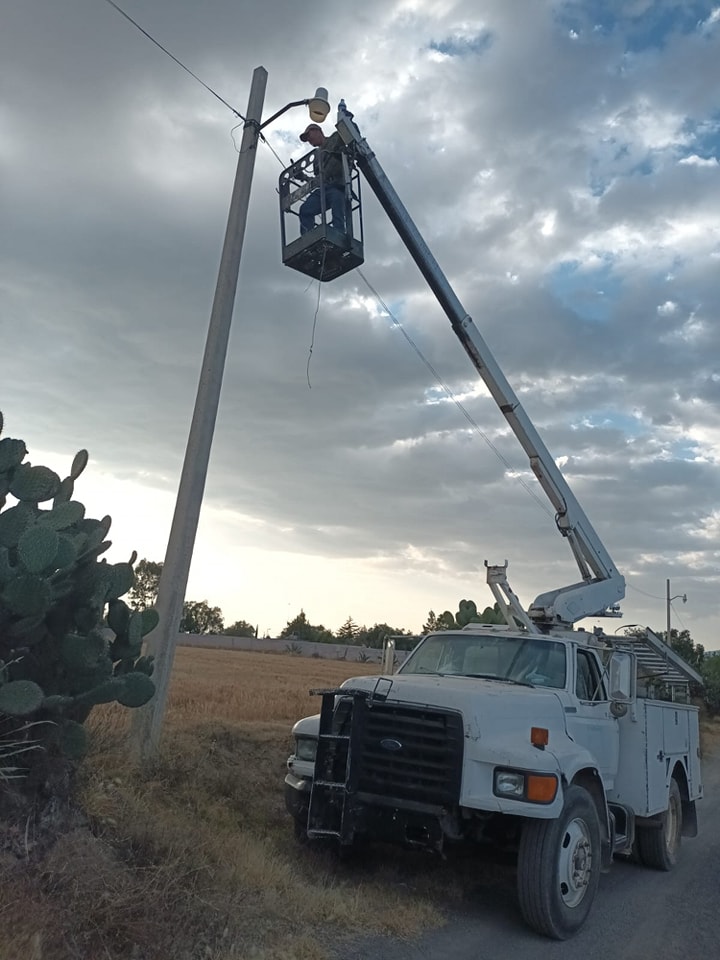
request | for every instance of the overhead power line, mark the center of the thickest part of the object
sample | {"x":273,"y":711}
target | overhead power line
{"x":448,"y":391}
{"x":644,"y":592}
{"x":173,"y":57}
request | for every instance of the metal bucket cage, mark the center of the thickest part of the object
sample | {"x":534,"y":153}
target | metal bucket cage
{"x":324,"y":252}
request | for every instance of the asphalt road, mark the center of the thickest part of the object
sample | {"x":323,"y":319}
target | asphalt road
{"x":638,"y":914}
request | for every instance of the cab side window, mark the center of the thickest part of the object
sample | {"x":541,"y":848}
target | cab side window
{"x":588,"y":685}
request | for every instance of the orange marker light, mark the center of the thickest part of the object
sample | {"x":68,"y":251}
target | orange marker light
{"x":541,"y":789}
{"x":539,"y":736}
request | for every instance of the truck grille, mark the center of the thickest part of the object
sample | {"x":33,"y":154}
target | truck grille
{"x":425,"y":768}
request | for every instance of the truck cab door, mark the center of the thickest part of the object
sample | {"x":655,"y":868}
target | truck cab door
{"x":589,"y":720}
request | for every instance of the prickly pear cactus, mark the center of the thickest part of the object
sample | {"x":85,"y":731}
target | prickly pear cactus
{"x":467,"y":613}
{"x":67,"y":640}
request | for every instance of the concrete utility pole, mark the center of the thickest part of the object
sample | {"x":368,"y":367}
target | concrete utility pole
{"x":147,"y":720}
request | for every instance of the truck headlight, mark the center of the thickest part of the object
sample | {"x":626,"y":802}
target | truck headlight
{"x":305,"y":748}
{"x":524,"y":785}
{"x":509,"y":783}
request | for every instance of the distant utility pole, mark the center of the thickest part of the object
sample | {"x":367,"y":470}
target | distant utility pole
{"x":668,"y":602}
{"x":147,"y":720}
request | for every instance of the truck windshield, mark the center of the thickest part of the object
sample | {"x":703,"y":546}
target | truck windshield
{"x":530,"y":660}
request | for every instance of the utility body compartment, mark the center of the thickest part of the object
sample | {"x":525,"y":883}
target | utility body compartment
{"x":655,"y":737}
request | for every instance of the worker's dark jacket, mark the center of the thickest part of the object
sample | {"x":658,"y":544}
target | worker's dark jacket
{"x":330,"y":155}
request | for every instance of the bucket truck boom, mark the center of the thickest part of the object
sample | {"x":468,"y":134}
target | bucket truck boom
{"x":601,"y":587}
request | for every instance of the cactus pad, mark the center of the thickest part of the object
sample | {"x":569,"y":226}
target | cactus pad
{"x":66,"y":554}
{"x":62,"y":515}
{"x":65,"y":491}
{"x":139,"y":688}
{"x":118,"y":616}
{"x":12,"y":454}
{"x":20,"y":698}
{"x":122,"y":577}
{"x":13,"y":523}
{"x":34,"y":484}
{"x":27,"y":596}
{"x":150,"y":619}
{"x":82,"y":653}
{"x":79,"y":463}
{"x":37,"y":548}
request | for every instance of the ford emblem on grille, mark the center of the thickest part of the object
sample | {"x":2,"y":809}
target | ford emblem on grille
{"x":392,"y":745}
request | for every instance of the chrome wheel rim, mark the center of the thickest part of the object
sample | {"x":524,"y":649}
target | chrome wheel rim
{"x":671,"y":825}
{"x":575,"y":862}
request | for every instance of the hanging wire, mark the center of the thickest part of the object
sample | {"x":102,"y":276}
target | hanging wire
{"x":448,"y":391}
{"x":644,"y":592}
{"x":202,"y":83}
{"x":173,"y":57}
{"x":270,"y":146}
{"x":677,"y":615}
{"x":317,"y":309}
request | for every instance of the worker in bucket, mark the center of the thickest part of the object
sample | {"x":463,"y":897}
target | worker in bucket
{"x":328,"y":160}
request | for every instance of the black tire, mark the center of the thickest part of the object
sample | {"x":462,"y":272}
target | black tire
{"x":559,"y":867}
{"x":659,"y":848}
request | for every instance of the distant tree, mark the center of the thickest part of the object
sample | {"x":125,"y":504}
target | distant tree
{"x":348,"y":632}
{"x":147,"y":580}
{"x":199,"y":617}
{"x":241,"y":628}
{"x":710,"y":670}
{"x":375,"y":635}
{"x":446,"y":621}
{"x":299,"y":628}
{"x":684,"y":645}
{"x":431,"y":624}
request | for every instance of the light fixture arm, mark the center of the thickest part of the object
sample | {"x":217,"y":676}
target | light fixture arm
{"x":288,"y":106}
{"x":318,"y":106}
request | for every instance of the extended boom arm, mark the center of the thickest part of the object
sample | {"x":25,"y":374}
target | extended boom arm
{"x":602,"y":587}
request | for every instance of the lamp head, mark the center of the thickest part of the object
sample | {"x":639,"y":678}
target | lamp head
{"x":319,"y":106}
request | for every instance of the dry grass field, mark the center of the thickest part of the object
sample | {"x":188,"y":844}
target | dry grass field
{"x":195,"y":859}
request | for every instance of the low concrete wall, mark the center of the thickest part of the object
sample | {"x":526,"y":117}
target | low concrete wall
{"x":300,"y":648}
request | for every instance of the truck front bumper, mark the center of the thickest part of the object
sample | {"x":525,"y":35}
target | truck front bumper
{"x":297,"y":796}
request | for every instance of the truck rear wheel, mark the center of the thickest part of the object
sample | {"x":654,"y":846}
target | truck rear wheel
{"x":559,"y":867}
{"x":659,"y":848}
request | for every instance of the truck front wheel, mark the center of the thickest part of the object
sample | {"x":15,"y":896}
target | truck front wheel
{"x":559,"y":867}
{"x":659,"y":848}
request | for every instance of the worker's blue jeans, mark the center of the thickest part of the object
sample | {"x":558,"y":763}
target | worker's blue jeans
{"x":334,"y":202}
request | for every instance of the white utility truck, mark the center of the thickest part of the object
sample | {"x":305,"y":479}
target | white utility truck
{"x":534,"y":734}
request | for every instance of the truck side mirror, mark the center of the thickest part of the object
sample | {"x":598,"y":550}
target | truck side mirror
{"x":388,"y":656}
{"x":621,"y":673}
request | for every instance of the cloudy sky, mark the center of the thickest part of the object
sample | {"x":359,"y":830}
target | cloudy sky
{"x":560,"y":158}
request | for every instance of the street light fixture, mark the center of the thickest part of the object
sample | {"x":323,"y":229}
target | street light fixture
{"x":668,"y":601}
{"x":319,"y":105}
{"x":147,"y":720}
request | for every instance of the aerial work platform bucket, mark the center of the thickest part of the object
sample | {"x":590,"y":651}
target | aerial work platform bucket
{"x":334,"y":245}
